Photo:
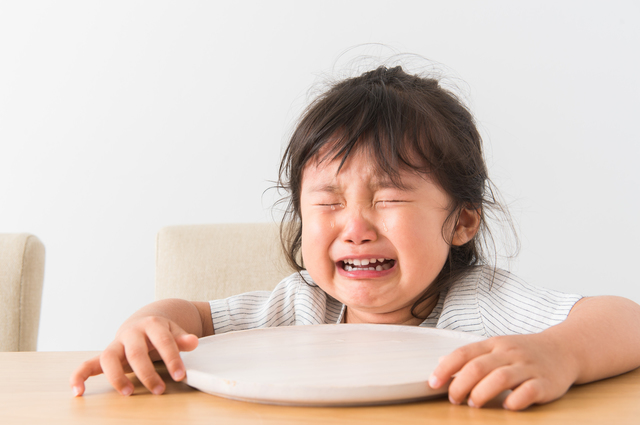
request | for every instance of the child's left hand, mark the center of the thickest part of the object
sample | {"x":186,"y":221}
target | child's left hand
{"x":535,"y":366}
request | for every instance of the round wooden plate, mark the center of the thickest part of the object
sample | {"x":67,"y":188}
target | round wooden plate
{"x":322,"y":365}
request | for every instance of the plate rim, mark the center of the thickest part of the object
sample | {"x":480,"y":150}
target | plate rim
{"x":344,"y":395}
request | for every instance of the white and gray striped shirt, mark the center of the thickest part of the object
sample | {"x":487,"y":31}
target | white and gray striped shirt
{"x":486,"y":302}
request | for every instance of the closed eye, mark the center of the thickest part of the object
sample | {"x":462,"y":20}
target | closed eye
{"x":387,"y":202}
{"x":335,"y":205}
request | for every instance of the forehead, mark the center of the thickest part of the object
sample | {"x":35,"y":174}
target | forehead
{"x":327,"y":174}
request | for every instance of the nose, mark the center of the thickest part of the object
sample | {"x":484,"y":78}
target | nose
{"x":357,"y":227}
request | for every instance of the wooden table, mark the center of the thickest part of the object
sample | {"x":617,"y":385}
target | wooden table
{"x":35,"y":389}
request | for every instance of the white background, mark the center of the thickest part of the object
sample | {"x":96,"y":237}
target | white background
{"x":118,"y":118}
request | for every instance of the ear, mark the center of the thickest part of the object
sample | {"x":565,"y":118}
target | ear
{"x":466,"y":227}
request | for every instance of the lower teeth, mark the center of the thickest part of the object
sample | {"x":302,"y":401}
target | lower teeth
{"x":379,"y":268}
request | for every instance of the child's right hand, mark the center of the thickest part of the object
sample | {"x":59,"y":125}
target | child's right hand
{"x":147,"y":336}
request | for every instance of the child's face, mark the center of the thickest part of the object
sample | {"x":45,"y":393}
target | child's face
{"x":358,"y":215}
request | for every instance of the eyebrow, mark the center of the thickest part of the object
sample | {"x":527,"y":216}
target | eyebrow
{"x":328,"y":188}
{"x":374,"y":185}
{"x":387,"y":183}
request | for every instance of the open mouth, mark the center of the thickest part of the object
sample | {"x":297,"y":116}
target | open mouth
{"x":374,"y":264}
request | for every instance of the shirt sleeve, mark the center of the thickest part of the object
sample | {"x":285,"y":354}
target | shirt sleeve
{"x":493,"y":302}
{"x":296,"y":300}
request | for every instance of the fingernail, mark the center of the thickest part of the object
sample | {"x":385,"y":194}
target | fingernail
{"x":158,"y":390}
{"x":126,"y":391}
{"x":452,"y":401}
{"x":76,"y":391}
{"x":470,"y":403}
{"x":178,"y":374}
{"x":434,"y":382}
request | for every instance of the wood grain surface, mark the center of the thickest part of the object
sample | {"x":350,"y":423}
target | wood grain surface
{"x":35,"y":390}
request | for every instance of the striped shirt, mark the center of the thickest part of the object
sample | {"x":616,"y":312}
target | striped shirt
{"x":485,"y":302}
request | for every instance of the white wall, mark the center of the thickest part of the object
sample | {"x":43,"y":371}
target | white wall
{"x":118,"y":118}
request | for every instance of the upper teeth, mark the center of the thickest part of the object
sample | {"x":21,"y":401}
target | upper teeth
{"x":378,"y":264}
{"x":364,"y":261}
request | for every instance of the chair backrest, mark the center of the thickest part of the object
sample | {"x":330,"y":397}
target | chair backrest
{"x":21,"y":277}
{"x":215,"y":261}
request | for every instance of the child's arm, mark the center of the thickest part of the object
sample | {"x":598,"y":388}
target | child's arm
{"x":158,"y":331}
{"x":600,"y":338}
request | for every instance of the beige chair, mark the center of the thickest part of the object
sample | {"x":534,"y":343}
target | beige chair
{"x":214,"y":261}
{"x":21,"y":276}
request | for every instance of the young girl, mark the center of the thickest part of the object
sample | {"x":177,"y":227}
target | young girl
{"x":385,"y":224}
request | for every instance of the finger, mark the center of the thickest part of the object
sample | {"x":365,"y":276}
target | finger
{"x":453,"y":362}
{"x":187,"y":342}
{"x":168,"y":344}
{"x":527,"y":393}
{"x":498,"y":380}
{"x":87,"y":369}
{"x":471,"y":374}
{"x":137,"y":354}
{"x":111,"y":361}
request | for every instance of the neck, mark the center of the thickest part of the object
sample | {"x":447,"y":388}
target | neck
{"x":403,"y":316}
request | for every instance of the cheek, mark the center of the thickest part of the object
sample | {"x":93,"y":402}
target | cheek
{"x":317,"y":236}
{"x":420,"y":234}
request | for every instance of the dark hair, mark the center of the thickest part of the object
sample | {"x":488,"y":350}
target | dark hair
{"x":401,"y":121}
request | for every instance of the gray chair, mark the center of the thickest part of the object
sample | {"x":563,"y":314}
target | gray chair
{"x":21,"y":277}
